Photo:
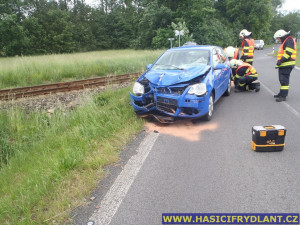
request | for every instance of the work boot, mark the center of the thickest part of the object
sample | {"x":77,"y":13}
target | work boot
{"x":257,"y":88}
{"x":238,"y":90}
{"x":276,"y":96}
{"x":280,"y":99}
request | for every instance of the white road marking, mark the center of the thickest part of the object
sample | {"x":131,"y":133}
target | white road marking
{"x":114,"y":197}
{"x":290,"y":108}
{"x":297,"y":67}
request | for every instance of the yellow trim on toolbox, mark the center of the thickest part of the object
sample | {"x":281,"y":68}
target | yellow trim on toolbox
{"x":280,"y":132}
{"x":263,"y":133}
{"x":255,"y":145}
{"x":270,"y":127}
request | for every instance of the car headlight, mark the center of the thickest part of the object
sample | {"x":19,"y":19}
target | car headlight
{"x":138,"y":89}
{"x":197,"y":89}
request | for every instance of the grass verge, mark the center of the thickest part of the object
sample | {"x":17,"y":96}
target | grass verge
{"x":49,"y":164}
{"x":36,"y":70}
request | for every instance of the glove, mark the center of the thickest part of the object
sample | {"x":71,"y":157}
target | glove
{"x":278,"y":63}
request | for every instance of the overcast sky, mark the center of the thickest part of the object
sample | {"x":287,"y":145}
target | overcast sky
{"x":288,"y":5}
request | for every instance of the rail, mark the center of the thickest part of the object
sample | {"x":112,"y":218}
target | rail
{"x":22,"y":92}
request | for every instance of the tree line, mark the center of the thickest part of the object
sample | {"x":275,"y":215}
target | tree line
{"x":31,"y":27}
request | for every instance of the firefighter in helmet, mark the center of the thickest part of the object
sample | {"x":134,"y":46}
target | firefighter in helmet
{"x":286,"y":60}
{"x":247,"y":46}
{"x":232,"y":53}
{"x":245,"y":78}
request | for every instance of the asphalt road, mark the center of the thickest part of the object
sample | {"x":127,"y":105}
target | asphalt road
{"x":209,"y":167}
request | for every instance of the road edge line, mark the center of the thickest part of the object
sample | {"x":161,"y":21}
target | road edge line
{"x":290,"y":108}
{"x":117,"y":192}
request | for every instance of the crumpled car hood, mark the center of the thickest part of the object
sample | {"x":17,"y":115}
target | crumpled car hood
{"x":170,"y":77}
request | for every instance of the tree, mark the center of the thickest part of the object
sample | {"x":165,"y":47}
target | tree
{"x":181,"y":25}
{"x":13,"y":40}
{"x":289,"y":22}
{"x":161,"y":38}
{"x":153,"y":18}
{"x":213,"y":32}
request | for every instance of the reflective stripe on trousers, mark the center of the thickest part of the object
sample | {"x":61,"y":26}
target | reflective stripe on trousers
{"x":284,"y":79}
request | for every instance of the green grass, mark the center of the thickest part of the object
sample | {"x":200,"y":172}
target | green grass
{"x":35,"y":70}
{"x":49,"y":164}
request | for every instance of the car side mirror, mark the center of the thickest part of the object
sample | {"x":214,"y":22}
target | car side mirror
{"x":220,"y":66}
{"x":148,"y":67}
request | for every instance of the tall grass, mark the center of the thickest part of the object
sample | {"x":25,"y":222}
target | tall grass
{"x":48,"y":163}
{"x":35,"y":70}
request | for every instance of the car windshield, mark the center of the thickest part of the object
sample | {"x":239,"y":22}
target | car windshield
{"x":183,"y":59}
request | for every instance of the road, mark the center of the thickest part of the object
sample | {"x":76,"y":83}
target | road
{"x":209,"y":167}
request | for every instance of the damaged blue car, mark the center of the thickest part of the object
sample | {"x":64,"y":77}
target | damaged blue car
{"x":183,"y":82}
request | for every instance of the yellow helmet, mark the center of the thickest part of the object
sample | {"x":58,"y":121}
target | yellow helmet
{"x":244,"y":33}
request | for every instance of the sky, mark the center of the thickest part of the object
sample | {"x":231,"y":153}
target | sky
{"x":290,"y":5}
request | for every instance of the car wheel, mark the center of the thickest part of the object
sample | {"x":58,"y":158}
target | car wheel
{"x":209,"y":115}
{"x":228,"y":90}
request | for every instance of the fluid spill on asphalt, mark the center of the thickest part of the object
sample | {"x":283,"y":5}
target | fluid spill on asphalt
{"x":185,"y":129}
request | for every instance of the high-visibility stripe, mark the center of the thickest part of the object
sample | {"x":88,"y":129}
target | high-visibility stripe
{"x":248,"y":51}
{"x":250,"y":71}
{"x":286,"y":56}
{"x":283,"y":53}
{"x":284,"y":87}
{"x":291,"y":63}
{"x":247,"y":87}
{"x":242,"y":84}
{"x":290,"y":49}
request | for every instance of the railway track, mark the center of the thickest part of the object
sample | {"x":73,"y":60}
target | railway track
{"x":23,"y":92}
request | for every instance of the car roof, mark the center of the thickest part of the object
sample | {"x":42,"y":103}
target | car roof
{"x":204,"y":47}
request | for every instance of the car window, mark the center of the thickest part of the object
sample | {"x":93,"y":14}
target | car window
{"x":218,"y":56}
{"x":182,"y":59}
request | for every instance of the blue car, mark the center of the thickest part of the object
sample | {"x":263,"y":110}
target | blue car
{"x":183,"y":82}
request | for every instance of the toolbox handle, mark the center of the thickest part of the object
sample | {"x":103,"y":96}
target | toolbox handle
{"x":269,"y":127}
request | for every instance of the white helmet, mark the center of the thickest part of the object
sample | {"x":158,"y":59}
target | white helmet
{"x":280,"y":34}
{"x":234,"y":63}
{"x":244,"y":33}
{"x":229,"y":51}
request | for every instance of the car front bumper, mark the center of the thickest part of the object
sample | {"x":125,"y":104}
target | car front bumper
{"x":185,"y":106}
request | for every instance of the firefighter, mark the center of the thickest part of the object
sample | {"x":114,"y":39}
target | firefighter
{"x":232,"y":53}
{"x":247,"y":46}
{"x":286,"y":60}
{"x":245,"y":78}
